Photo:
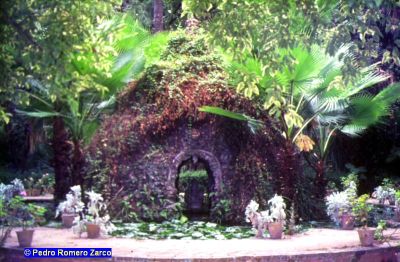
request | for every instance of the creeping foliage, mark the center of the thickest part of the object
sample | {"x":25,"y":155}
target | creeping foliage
{"x":130,"y":158}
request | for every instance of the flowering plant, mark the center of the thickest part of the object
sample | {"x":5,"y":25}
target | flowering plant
{"x":73,"y":203}
{"x":252,"y":215}
{"x":277,"y":209}
{"x":46,"y":182}
{"x":96,"y":213}
{"x":8,"y":193}
{"x":251,"y":210}
{"x":339,"y":203}
{"x":383,"y":193}
{"x":259,"y":220}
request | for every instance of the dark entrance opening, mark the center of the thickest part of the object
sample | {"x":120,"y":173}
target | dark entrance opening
{"x":194,"y":184}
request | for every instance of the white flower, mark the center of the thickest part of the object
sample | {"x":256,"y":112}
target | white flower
{"x":251,"y":210}
{"x":384,"y":193}
{"x":7,"y":192}
{"x":266,"y":217}
{"x":95,"y":204}
{"x":336,"y":203}
{"x":76,"y":190}
{"x":277,"y":208}
{"x":94,"y":213}
{"x":72,"y":204}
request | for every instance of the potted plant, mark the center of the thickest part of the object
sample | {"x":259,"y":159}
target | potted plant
{"x":397,"y":206}
{"x":7,"y":218}
{"x":277,"y":217}
{"x":385,"y":193}
{"x":361,"y":209}
{"x":26,"y":216}
{"x":94,"y":220}
{"x":29,"y":184}
{"x":255,"y":218}
{"x":47,"y":183}
{"x":5,"y":228}
{"x":339,"y":206}
{"x":273,"y":219}
{"x":70,"y":208}
{"x":347,"y":221}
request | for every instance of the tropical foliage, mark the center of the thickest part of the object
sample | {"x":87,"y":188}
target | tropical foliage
{"x":312,"y":101}
{"x":301,"y":88}
{"x":99,"y":67}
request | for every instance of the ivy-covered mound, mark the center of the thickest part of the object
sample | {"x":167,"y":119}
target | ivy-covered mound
{"x":136,"y":155}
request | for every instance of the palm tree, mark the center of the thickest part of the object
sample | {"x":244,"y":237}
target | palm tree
{"x":328,"y":105}
{"x":75,"y":114}
{"x":310,"y":97}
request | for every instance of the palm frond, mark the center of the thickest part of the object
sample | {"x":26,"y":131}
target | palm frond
{"x":131,"y":35}
{"x":368,"y":77}
{"x":156,"y":46}
{"x":332,"y":118}
{"x":328,"y":100}
{"x":89,"y":129}
{"x":389,"y":94}
{"x":365,"y":111}
{"x":38,"y":114}
{"x":107,"y":103}
{"x":353,"y":130}
{"x":252,"y":123}
{"x":308,"y":64}
{"x":222,"y":112}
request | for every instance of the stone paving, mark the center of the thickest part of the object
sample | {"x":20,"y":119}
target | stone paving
{"x":311,"y":242}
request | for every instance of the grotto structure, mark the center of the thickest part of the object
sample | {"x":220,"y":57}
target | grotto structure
{"x":138,"y":153}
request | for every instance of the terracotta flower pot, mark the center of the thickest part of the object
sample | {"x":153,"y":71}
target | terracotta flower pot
{"x":366,"y":236}
{"x":25,"y":237}
{"x":35,"y":192}
{"x":347,"y":222}
{"x":68,"y":220}
{"x":275,"y":230}
{"x":397,"y":215}
{"x":93,"y":230}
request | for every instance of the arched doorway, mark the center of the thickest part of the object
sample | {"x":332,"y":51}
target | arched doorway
{"x":196,"y":176}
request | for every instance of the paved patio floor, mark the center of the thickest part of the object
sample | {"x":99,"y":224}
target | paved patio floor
{"x":312,"y":241}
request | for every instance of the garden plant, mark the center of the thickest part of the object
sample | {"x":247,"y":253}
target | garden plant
{"x":170,"y":124}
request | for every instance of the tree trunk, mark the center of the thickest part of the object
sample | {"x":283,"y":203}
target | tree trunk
{"x":61,"y":151}
{"x":158,"y":14}
{"x":78,"y":161}
{"x":320,"y":181}
{"x":126,"y":4}
{"x":289,"y":171}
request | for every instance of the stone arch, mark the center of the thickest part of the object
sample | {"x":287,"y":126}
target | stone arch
{"x":208,"y":157}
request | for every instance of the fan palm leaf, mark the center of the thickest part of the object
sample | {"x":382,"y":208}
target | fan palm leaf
{"x":389,"y":94}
